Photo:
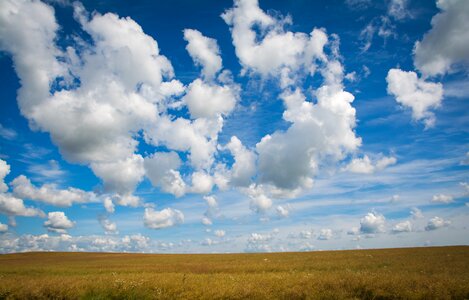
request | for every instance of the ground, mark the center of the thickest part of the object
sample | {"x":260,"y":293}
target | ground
{"x":408,"y":273}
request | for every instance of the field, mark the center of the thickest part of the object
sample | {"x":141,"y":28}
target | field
{"x":412,"y":273}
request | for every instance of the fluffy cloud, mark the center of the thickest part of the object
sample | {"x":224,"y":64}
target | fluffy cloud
{"x":445,"y":45}
{"x":415,"y":93}
{"x":282,"y":212}
{"x":167,"y":217}
{"x":108,"y":205}
{"x":3,"y":227}
{"x":278,"y":50}
{"x":405,"y":226}
{"x":416,"y":213}
{"x":58,"y":222}
{"x":206,"y":100}
{"x":257,"y":242}
{"x":244,"y":166}
{"x":398,"y":9}
{"x":442,"y":198}
{"x":325,"y":234}
{"x":12,"y":206}
{"x":120,"y":86}
{"x":4,"y":171}
{"x":49,"y":193}
{"x":108,"y":226}
{"x":220,"y":233}
{"x":204,"y":51}
{"x":372,"y":223}
{"x":161,"y":168}
{"x":436,"y":223}
{"x":365,"y":166}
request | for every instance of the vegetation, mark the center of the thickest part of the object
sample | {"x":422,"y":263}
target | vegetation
{"x":412,"y":273}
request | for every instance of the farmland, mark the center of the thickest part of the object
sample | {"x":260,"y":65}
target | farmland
{"x":408,"y":273}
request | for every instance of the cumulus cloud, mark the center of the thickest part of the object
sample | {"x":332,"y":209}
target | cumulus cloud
{"x":366,"y":166}
{"x":120,"y":78}
{"x":282,"y":211}
{"x":220,"y":233}
{"x":257,"y":242}
{"x":161,"y":168}
{"x":372,"y":223}
{"x":278,"y":49}
{"x":416,"y":213}
{"x":108,"y":226}
{"x":167,"y":217}
{"x":205,"y":100}
{"x":4,"y":171}
{"x":244,"y":166}
{"x":3,"y":228}
{"x":109,"y":205}
{"x":405,"y":226}
{"x":49,"y":193}
{"x":416,"y":93}
{"x":465,"y":161}
{"x":325,"y":234}
{"x":445,"y":45}
{"x":12,"y":206}
{"x":436,"y":223}
{"x":204,"y":51}
{"x":442,"y":198}
{"x":58,"y":222}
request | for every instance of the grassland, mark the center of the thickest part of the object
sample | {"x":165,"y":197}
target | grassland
{"x":413,"y":273}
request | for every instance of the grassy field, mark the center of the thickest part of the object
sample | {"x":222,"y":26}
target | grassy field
{"x":413,"y":273}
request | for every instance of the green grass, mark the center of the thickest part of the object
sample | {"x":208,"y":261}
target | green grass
{"x":411,"y":273}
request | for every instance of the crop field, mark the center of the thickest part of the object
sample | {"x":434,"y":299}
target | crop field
{"x":409,"y":273}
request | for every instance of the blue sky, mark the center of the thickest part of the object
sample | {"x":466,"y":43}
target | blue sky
{"x":220,"y":126}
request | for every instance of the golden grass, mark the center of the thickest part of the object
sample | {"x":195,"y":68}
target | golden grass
{"x":412,"y":273}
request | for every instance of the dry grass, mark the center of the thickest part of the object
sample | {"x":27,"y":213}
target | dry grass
{"x":413,"y":273}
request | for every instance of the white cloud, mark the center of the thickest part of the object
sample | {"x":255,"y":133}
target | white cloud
{"x":206,"y":221}
{"x":199,"y":137}
{"x":7,"y":133}
{"x":277,"y":50}
{"x":161,"y":169}
{"x":121,"y":84}
{"x":12,"y":206}
{"x":257,"y":242}
{"x":167,"y":217}
{"x":415,"y":93}
{"x":108,"y":226}
{"x":58,"y":222}
{"x":465,"y":185}
{"x":204,"y":51}
{"x":325,"y":234}
{"x":109,"y":205}
{"x":398,"y":9}
{"x":366,"y":166}
{"x":282,"y":211}
{"x":202,"y":183}
{"x":442,"y":198}
{"x":372,"y":223}
{"x":416,"y":213}
{"x":445,"y":45}
{"x":220,"y":233}
{"x":121,"y":176}
{"x":49,"y":193}
{"x":436,"y":223}
{"x":260,"y":202}
{"x":4,"y":171}
{"x":206,"y":100}
{"x":405,"y":226}
{"x":244,"y":166}
{"x":3,"y":228}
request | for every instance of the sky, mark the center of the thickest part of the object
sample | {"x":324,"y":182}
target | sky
{"x":245,"y":126}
